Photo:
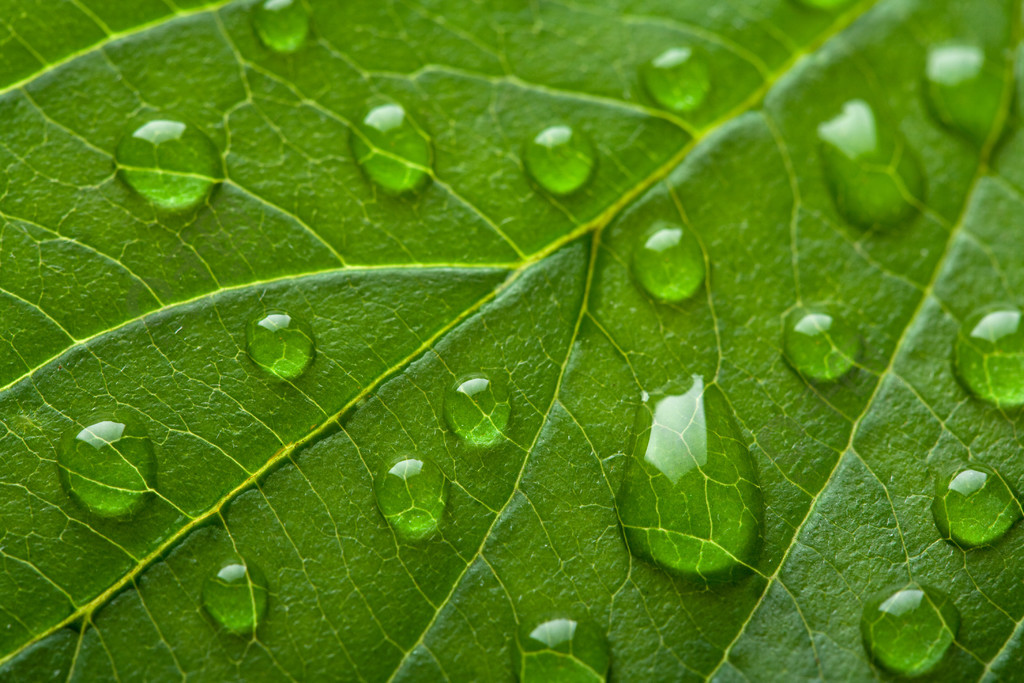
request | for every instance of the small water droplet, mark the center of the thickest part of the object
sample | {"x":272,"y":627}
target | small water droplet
{"x":280,"y":344}
{"x":477,"y":409}
{"x":560,"y":160}
{"x":282,"y":25}
{"x":872,"y":174}
{"x":965,"y":89}
{"x":412,"y":495}
{"x":562,"y":651}
{"x":990,"y":355}
{"x":669,"y":263}
{"x":908,"y":631}
{"x":820,"y":346}
{"x":391,"y":150}
{"x":690,"y":499}
{"x":974,"y":506}
{"x":170,"y":163}
{"x":236,"y":596}
{"x":108,"y":466}
{"x":677,"y":79}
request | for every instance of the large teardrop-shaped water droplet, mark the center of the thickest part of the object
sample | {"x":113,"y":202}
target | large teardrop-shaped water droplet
{"x":170,"y":163}
{"x":282,"y":25}
{"x":990,"y":355}
{"x":392,"y":151}
{"x":974,"y":506}
{"x":236,"y":596}
{"x":562,"y":651}
{"x":412,"y":494}
{"x":873,"y":176}
{"x":690,"y":499}
{"x":108,"y":466}
{"x":908,"y":631}
{"x":965,"y":89}
{"x":677,"y":79}
{"x":560,"y":159}
{"x":477,"y":409}
{"x":282,"y":345}
{"x":820,"y":346}
{"x":669,"y":262}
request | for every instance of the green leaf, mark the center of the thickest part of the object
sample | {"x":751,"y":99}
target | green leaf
{"x":481,"y":329}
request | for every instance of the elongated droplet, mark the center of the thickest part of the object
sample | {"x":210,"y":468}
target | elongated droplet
{"x":280,"y":344}
{"x":391,"y":150}
{"x":677,"y":79}
{"x":669,"y":263}
{"x":974,"y":506}
{"x":170,"y":163}
{"x":690,"y":499}
{"x":990,"y":355}
{"x":965,"y":89}
{"x":477,"y":409}
{"x":819,"y":345}
{"x":236,"y":596}
{"x":412,"y":494}
{"x":908,"y":631}
{"x":108,"y":467}
{"x":560,"y":160}
{"x":562,"y":651}
{"x":874,"y":178}
{"x":282,"y":25}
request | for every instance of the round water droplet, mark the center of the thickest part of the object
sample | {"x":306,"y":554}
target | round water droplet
{"x":280,"y":344}
{"x":412,"y":494}
{"x":562,"y":651}
{"x":965,"y":89}
{"x":236,"y":596}
{"x":170,"y":163}
{"x":820,"y":346}
{"x":690,"y":499}
{"x":108,"y":467}
{"x":282,"y":25}
{"x":990,"y":355}
{"x":908,"y":631}
{"x":677,"y":79}
{"x":477,"y":409}
{"x":974,"y":506}
{"x":669,"y":263}
{"x":874,"y":178}
{"x":560,"y":160}
{"x":391,"y":150}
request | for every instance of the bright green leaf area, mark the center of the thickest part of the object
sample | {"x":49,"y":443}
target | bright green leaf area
{"x":111,"y":306}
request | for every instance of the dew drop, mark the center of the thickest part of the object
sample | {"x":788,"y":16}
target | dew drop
{"x":412,"y":495}
{"x":170,"y":163}
{"x":677,"y":79}
{"x":477,"y":409}
{"x":874,"y":178}
{"x":108,"y":466}
{"x":974,"y":506}
{"x":560,"y":160}
{"x":820,"y":346}
{"x":689,"y":500}
{"x":965,"y":90}
{"x":990,"y":355}
{"x":391,"y":150}
{"x":236,"y":596}
{"x":669,"y":262}
{"x":562,"y":651}
{"x":908,"y":631}
{"x":280,"y":344}
{"x":282,"y":25}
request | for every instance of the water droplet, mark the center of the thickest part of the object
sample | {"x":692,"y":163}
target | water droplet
{"x":820,"y":346}
{"x":412,"y":494}
{"x":872,"y":174}
{"x":282,"y":25}
{"x":391,"y":150}
{"x":965,"y":90}
{"x":477,"y":409}
{"x":669,"y":263}
{"x":108,"y":467}
{"x":562,"y":651}
{"x":170,"y":163}
{"x":825,"y":4}
{"x":677,"y":79}
{"x":560,"y":159}
{"x":908,"y":631}
{"x":974,"y":506}
{"x":236,"y":596}
{"x":280,"y":344}
{"x":690,"y":500}
{"x":990,"y":355}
